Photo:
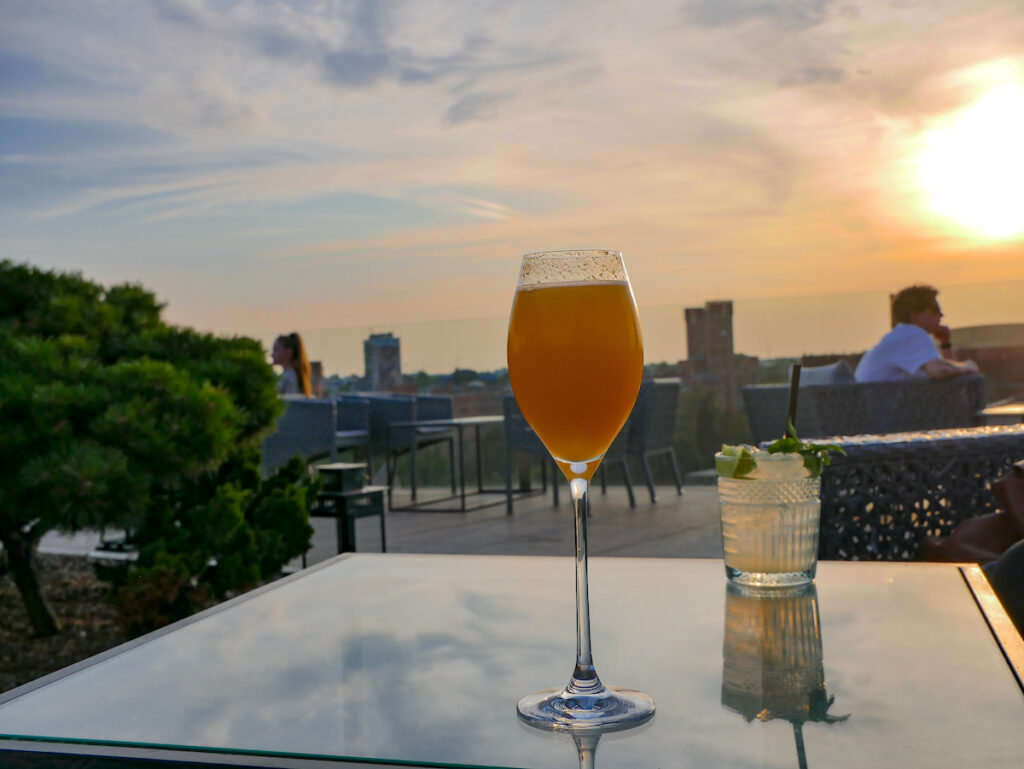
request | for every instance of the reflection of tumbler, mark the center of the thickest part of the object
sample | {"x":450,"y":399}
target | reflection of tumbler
{"x":772,"y":660}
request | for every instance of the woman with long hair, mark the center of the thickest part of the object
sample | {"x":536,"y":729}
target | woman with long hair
{"x":290,"y":354}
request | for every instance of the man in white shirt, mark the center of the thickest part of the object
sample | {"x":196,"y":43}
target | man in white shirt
{"x":909,"y":351}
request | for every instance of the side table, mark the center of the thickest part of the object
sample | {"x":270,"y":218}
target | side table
{"x":345,"y":498}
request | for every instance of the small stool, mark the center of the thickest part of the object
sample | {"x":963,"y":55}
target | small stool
{"x":345,"y":507}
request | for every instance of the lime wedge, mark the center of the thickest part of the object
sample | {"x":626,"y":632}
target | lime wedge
{"x":814,"y":464}
{"x":734,"y":462}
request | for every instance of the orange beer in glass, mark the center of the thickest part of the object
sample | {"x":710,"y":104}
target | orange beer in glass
{"x":575,"y":361}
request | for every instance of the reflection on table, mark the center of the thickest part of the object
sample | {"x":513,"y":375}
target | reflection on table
{"x":772,"y":662}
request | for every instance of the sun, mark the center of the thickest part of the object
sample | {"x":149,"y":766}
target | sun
{"x":972,"y":166}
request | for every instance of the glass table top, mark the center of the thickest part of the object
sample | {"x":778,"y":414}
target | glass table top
{"x":422,"y":658}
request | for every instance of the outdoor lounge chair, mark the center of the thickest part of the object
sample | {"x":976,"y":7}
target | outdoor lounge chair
{"x":352,"y":425}
{"x":306,"y":429}
{"x":521,"y":439}
{"x":844,"y":407}
{"x":389,"y":409}
{"x":649,"y":432}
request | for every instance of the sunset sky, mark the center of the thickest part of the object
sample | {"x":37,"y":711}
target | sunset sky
{"x":268,"y":166}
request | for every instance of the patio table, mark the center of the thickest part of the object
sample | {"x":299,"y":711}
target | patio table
{"x":370,"y":660}
{"x":460,"y":425}
{"x":1003,"y":413}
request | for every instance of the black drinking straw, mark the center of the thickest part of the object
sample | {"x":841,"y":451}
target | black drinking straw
{"x":794,"y":391}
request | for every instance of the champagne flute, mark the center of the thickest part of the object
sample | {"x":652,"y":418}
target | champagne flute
{"x":575,"y":361}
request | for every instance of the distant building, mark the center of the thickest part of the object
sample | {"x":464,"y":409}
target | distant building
{"x":999,"y":352}
{"x":709,"y":335}
{"x":987,"y":337}
{"x":383,"y":358}
{"x":316,"y":378}
{"x":711,"y":360}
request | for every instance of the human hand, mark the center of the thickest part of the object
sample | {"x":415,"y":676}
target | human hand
{"x":971,"y":366}
{"x":942,"y":334}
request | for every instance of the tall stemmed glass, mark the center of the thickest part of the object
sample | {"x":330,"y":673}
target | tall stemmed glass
{"x":575,"y":360}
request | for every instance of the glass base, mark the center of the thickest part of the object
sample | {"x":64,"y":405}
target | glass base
{"x":771,"y":579}
{"x":611,"y":708}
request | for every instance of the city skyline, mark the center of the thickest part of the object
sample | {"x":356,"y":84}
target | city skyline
{"x":275,"y":166}
{"x":786,"y":327}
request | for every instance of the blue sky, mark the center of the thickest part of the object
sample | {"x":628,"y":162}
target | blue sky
{"x":271,"y":165}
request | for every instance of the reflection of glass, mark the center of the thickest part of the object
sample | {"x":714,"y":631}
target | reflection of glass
{"x":586,"y":747}
{"x":575,"y":360}
{"x":772,"y":658}
{"x":586,"y":740}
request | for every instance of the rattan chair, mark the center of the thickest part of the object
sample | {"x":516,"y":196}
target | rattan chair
{"x":305,"y":428}
{"x":520,"y":439}
{"x":874,"y":408}
{"x":387,"y":410}
{"x":352,"y":423}
{"x":650,"y":431}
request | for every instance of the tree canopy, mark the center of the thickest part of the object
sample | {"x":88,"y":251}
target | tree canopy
{"x":110,"y":417}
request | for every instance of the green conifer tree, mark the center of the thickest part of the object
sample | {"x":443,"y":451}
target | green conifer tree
{"x":111,"y":418}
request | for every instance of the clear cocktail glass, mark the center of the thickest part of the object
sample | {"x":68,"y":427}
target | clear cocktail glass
{"x":575,"y":361}
{"x":770,"y":520}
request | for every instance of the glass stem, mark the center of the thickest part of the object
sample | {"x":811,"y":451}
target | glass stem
{"x":584,"y":678}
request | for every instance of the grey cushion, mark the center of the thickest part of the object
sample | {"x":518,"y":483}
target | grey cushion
{"x":834,"y":373}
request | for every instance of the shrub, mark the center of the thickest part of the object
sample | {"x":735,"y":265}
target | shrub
{"x":111,"y":418}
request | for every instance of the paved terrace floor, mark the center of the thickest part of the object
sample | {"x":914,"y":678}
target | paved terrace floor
{"x":674,"y":527}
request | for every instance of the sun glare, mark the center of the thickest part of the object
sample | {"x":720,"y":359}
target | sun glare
{"x":972,"y":166}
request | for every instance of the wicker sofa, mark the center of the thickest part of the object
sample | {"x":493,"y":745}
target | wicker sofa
{"x":844,"y":407}
{"x":887,"y":493}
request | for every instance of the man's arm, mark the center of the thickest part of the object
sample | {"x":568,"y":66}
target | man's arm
{"x":947,"y":366}
{"x":943,"y":368}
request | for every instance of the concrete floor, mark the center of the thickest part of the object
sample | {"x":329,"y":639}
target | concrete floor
{"x":674,"y":527}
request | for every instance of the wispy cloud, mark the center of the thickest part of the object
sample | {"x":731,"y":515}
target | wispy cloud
{"x":785,"y":14}
{"x":474,"y":106}
{"x":475,"y":207}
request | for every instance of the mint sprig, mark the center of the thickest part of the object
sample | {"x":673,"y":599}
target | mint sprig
{"x":815,"y":455}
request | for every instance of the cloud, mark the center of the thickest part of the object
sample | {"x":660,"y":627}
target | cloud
{"x":279,"y":43}
{"x":786,"y":14}
{"x":23,"y":73}
{"x":185,"y":12}
{"x":474,"y":106}
{"x":200,"y":100}
{"x":476,"y":207}
{"x":436,"y":132}
{"x":813,"y":76}
{"x":357,"y":68}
